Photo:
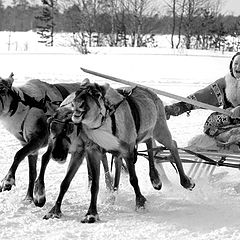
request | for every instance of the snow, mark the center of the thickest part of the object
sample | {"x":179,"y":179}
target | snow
{"x":210,"y":211}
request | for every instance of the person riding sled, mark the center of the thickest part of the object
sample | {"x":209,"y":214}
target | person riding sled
{"x":224,"y":92}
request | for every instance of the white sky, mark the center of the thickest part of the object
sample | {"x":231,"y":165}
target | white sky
{"x":229,"y":6}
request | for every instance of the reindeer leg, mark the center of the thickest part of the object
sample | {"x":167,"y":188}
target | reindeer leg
{"x":94,"y":156}
{"x":118,"y":167}
{"x":75,"y":162}
{"x":153,"y":173}
{"x":108,"y":178}
{"x":9,"y":179}
{"x":140,"y":199}
{"x":186,"y":182}
{"x":32,"y":162}
{"x":159,"y":167}
{"x":89,"y":173}
{"x":163,"y":136}
{"x":39,"y":195}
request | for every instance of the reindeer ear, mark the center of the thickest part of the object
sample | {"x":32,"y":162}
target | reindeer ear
{"x":85,"y":82}
{"x":10,"y":80}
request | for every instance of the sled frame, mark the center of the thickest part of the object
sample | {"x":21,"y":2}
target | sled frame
{"x":203,"y":163}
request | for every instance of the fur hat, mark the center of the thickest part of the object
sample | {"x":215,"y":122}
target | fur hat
{"x":231,"y":63}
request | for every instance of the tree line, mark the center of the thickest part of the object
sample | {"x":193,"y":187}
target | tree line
{"x":196,"y":23}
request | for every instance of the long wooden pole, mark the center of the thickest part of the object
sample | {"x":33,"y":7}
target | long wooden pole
{"x":160,"y":92}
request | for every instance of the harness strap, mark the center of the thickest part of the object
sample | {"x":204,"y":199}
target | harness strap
{"x":135,"y":112}
{"x":114,"y":127}
{"x":132,"y":105}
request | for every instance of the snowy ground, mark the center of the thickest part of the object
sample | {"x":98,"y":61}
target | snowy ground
{"x":210,"y":211}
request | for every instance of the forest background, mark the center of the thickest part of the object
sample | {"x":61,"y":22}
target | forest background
{"x":192,"y":24}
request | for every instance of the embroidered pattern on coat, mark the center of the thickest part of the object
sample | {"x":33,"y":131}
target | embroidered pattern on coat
{"x":217,"y":93}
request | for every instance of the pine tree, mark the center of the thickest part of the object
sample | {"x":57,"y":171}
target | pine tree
{"x":46,"y":23}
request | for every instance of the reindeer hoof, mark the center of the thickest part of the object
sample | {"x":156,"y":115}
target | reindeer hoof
{"x":52,"y":215}
{"x":157,"y":184}
{"x":192,"y":187}
{"x":7,"y":187}
{"x":140,"y":203}
{"x":39,"y":202}
{"x":90,"y":218}
{"x":7,"y":183}
{"x":189,"y":184}
{"x":28,"y":199}
{"x":55,"y":212}
{"x":39,"y":196}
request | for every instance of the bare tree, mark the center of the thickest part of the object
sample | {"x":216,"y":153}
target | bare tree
{"x":177,"y":9}
{"x":193,"y":11}
{"x":181,"y":10}
{"x":139,"y":9}
{"x":186,"y":15}
{"x":171,"y":4}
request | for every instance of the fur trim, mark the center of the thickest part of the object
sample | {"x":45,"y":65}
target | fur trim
{"x":232,"y":90}
{"x":202,"y":142}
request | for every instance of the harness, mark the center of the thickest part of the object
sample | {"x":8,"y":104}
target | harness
{"x":111,"y":109}
{"x":132,"y":105}
{"x":29,"y":101}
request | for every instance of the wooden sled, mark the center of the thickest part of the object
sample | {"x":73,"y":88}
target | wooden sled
{"x":203,"y":158}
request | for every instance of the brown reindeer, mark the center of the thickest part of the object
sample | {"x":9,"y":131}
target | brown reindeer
{"x":23,"y":112}
{"x":117,"y":123}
